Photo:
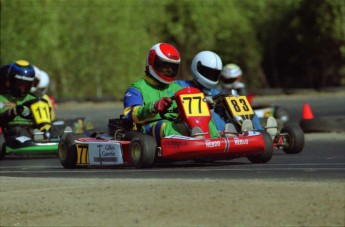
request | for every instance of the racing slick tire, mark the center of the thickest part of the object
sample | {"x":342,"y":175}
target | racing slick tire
{"x":267,"y":155}
{"x":142,"y":150}
{"x":294,"y":141}
{"x":2,"y":146}
{"x":67,"y":150}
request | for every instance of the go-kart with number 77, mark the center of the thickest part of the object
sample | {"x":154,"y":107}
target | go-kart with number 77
{"x":123,"y":146}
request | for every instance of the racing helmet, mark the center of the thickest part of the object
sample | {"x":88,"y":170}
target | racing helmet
{"x":21,"y":77}
{"x":41,"y":82}
{"x":230,"y":74}
{"x":206,"y":67}
{"x":163,"y":62}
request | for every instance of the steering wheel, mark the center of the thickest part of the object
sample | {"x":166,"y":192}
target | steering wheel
{"x":164,"y":115}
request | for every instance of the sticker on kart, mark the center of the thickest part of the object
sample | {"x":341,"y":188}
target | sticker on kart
{"x":239,"y":106}
{"x":41,"y":114}
{"x":195,"y":105}
{"x":99,"y":153}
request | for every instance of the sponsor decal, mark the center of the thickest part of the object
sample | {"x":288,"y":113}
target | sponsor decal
{"x":240,"y":142}
{"x":24,"y":77}
{"x":175,"y":143}
{"x":209,"y":143}
{"x":105,"y":153}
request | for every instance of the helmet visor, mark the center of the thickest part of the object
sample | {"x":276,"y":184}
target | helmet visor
{"x":36,"y":82}
{"x":168,"y":69}
{"x":21,"y":87}
{"x":209,"y":73}
{"x":228,"y":81}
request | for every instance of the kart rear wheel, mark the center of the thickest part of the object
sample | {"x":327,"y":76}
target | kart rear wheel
{"x":142,"y":150}
{"x":2,"y":146}
{"x":267,"y":155}
{"x":68,"y":150}
{"x":294,"y":140}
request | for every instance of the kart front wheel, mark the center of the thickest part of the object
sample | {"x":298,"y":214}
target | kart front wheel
{"x":142,"y":151}
{"x":68,"y":150}
{"x":294,"y":139}
{"x":267,"y":154}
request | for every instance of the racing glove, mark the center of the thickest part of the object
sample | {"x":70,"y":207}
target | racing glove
{"x":162,"y":105}
{"x":20,"y":110}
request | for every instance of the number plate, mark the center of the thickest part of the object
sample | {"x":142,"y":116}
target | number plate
{"x":83,"y":154}
{"x":99,"y":154}
{"x":41,"y":112}
{"x":239,"y":106}
{"x":195,"y":105}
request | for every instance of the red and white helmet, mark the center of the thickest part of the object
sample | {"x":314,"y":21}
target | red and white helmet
{"x":163,"y":62}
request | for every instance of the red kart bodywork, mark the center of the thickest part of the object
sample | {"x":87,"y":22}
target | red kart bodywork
{"x":179,"y":148}
{"x":194,"y":115}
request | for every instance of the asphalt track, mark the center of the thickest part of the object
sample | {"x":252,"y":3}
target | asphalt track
{"x":323,"y":156}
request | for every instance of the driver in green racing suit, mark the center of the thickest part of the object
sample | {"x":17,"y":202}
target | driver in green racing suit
{"x":147,"y":97}
{"x":21,"y":76}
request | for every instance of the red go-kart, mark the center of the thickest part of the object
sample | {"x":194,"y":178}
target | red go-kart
{"x":123,"y":146}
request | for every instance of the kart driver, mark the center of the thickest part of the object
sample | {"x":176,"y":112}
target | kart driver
{"x":206,"y":70}
{"x":206,"y":67}
{"x":21,"y":76}
{"x":230,"y":78}
{"x":145,"y":98}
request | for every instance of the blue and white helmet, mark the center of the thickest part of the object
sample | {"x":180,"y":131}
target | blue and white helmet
{"x":21,"y":77}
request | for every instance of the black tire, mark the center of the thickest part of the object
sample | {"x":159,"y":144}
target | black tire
{"x":131,"y":134}
{"x":267,"y":155}
{"x":2,"y":146}
{"x":68,"y":151}
{"x":142,"y":151}
{"x":294,"y":140}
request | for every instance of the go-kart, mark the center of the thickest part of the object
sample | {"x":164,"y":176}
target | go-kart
{"x":124,"y":146}
{"x":42,"y":137}
{"x":263,"y":111}
{"x":235,"y":109}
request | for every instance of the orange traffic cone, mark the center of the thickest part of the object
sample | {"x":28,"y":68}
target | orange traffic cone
{"x":307,"y":113}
